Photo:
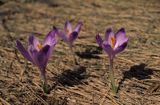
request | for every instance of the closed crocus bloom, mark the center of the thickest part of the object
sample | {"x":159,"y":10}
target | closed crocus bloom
{"x":39,"y":53}
{"x":70,"y":34}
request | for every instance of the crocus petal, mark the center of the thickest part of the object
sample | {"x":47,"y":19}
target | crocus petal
{"x":51,"y":41}
{"x":33,"y":41}
{"x":78,"y":27}
{"x":99,"y":40}
{"x":50,"y":38}
{"x":73,"y":37}
{"x":62,"y":35}
{"x":108,"y":49}
{"x":50,"y":50}
{"x":120,"y":37}
{"x":68,"y":27}
{"x":42,"y":57}
{"x":23,"y":51}
{"x":121,"y":48}
{"x":108,"y":34}
{"x":33,"y":53}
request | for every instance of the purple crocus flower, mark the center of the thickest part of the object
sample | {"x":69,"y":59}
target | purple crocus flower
{"x":39,"y":53}
{"x":69,"y":34}
{"x":113,"y":43}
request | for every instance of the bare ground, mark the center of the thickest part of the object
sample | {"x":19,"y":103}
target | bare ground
{"x":137,"y":69}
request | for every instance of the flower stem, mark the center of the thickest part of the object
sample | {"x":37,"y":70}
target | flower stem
{"x":111,"y":76}
{"x":44,"y":82}
{"x":73,"y":55}
{"x":45,"y":87}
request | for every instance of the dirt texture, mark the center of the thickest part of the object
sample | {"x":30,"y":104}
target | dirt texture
{"x":137,"y":69}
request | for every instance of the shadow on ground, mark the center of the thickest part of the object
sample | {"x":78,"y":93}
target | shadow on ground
{"x":72,"y":77}
{"x":139,"y":72}
{"x":90,"y":52}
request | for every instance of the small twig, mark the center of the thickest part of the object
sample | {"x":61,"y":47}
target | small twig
{"x":10,"y":68}
{"x":38,"y":97}
{"x":93,"y":99}
{"x":111,"y":98}
{"x":4,"y":102}
{"x":16,"y":55}
{"x":22,"y":71}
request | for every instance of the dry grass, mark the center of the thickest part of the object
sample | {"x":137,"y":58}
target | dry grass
{"x":137,"y":69}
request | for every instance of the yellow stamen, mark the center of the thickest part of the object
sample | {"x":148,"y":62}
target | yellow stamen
{"x":113,"y":41}
{"x":40,"y":46}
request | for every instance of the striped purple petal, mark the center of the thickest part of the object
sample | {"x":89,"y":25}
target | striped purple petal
{"x":33,"y":53}
{"x":78,"y":27}
{"x":42,"y":57}
{"x":108,"y":49}
{"x":108,"y":33}
{"x":120,"y":48}
{"x":120,"y":37}
{"x":33,"y":41}
{"x":72,"y":37}
{"x":68,"y":27}
{"x":50,"y":38}
{"x":62,"y":35}
{"x":23,"y":51}
{"x":99,"y":40}
{"x":109,"y":36}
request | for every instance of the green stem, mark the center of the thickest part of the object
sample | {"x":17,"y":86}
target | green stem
{"x":45,"y":87}
{"x":44,"y":82}
{"x":111,"y":76}
{"x":73,"y":55}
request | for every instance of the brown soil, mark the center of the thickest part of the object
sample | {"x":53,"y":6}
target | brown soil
{"x":137,"y":69}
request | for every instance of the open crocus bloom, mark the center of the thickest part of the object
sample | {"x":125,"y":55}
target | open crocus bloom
{"x":38,"y":53}
{"x":69,"y":35}
{"x":113,"y":43}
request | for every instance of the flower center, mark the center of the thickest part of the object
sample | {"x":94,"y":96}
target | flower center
{"x":40,"y":46}
{"x":113,"y":41}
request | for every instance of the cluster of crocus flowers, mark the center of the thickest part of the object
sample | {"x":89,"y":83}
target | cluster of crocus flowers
{"x":39,"y":53}
{"x":112,"y":45}
{"x":69,"y":35}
